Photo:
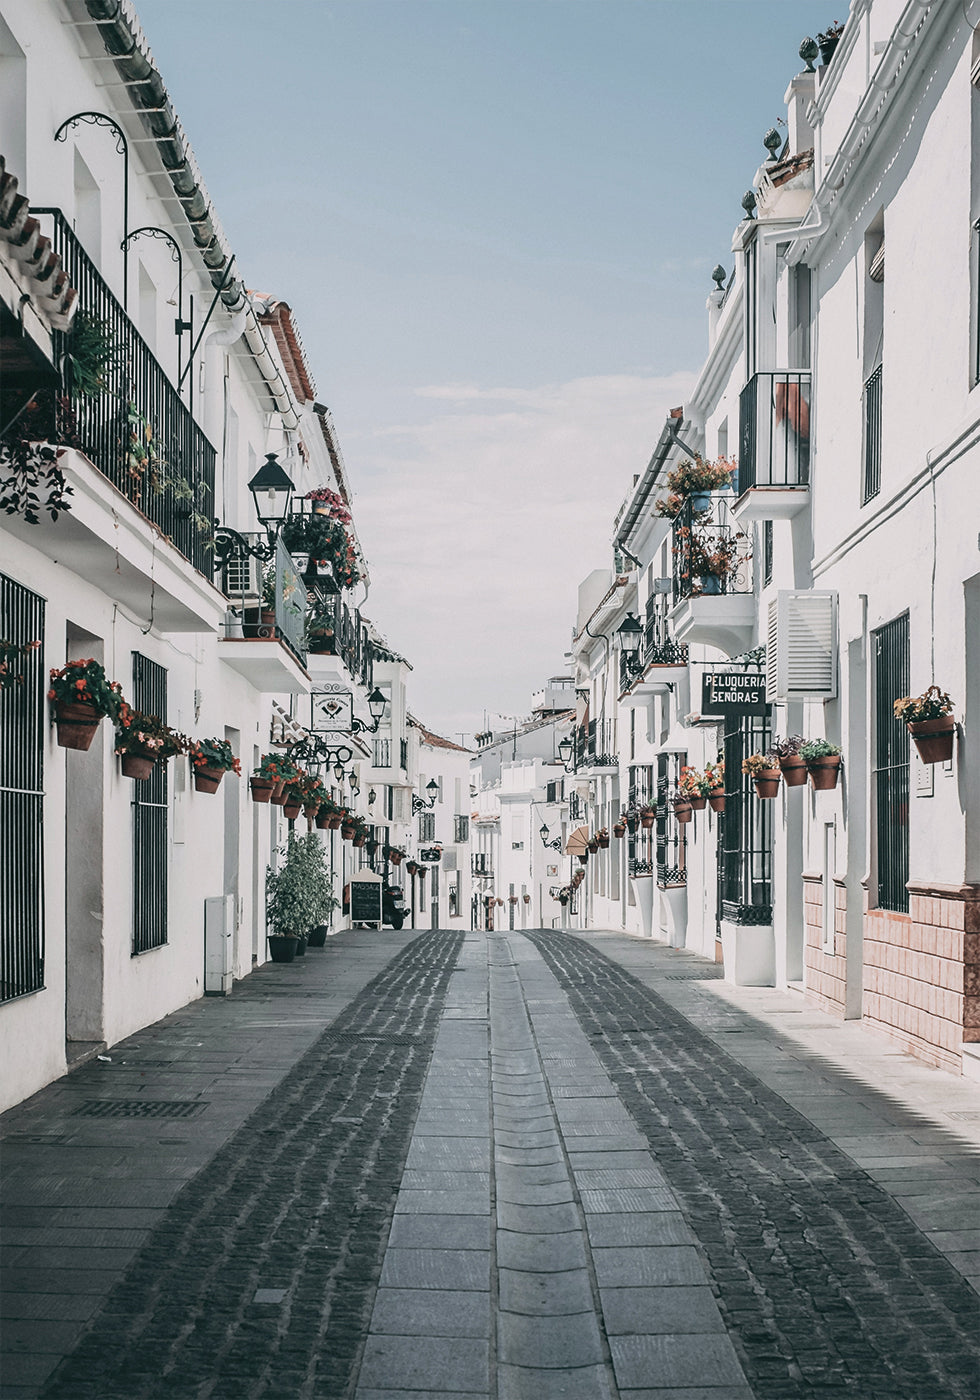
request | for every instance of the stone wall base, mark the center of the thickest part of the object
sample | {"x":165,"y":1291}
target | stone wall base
{"x":824,"y":963}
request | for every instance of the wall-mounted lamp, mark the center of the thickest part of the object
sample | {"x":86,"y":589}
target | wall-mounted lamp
{"x":630,"y":634}
{"x":552,"y":845}
{"x":376,"y":703}
{"x":418,"y":805}
{"x":566,"y":749}
{"x":272,"y":492}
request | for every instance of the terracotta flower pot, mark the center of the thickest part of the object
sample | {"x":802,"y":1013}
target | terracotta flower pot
{"x":683,"y":811}
{"x":322,"y":819}
{"x":77,"y":725}
{"x":793,"y":770}
{"x":933,"y":738}
{"x":583,"y":856}
{"x":603,"y":843}
{"x":716,"y":799}
{"x":346,"y":831}
{"x":261,"y":788}
{"x":647,"y":820}
{"x":207,"y":779}
{"x":334,"y":823}
{"x":278,"y":794}
{"x":310,"y":811}
{"x":824,"y":772}
{"x":593,"y":847}
{"x":135,"y":765}
{"x":291,"y":809}
{"x":767,"y":785}
{"x":698,"y":804}
{"x":359,"y":841}
{"x":395,"y":857}
{"x":619,"y":830}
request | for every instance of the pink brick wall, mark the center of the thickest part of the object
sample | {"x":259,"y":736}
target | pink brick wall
{"x":823,"y":966}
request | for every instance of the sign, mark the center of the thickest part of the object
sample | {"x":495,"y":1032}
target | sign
{"x":365,"y":898}
{"x":430,"y":854}
{"x":733,"y":693}
{"x":333,"y":711}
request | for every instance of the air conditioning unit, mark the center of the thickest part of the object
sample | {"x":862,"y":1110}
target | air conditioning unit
{"x":801,"y":648}
{"x":241,"y":578}
{"x":661,"y":585}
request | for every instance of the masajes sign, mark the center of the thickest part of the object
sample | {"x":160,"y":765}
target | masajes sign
{"x":733,"y":693}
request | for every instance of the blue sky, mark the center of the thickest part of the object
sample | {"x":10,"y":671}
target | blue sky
{"x":495,"y":221}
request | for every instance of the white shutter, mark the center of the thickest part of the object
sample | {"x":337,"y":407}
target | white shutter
{"x":801,"y":652}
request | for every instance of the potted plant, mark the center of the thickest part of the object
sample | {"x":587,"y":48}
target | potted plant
{"x":619,"y":829}
{"x":280,"y":770}
{"x":412,"y":866}
{"x":361,"y":833}
{"x":648,"y":815}
{"x":319,"y":888}
{"x":792,"y":764}
{"x":12,"y":657}
{"x":211,"y":759}
{"x":763,"y":769}
{"x":143,"y":740}
{"x":632,"y":820}
{"x":527,"y":899}
{"x":681,"y":804}
{"x":715,"y":777}
{"x":593,"y":845}
{"x":329,"y":503}
{"x":695,"y":479}
{"x":829,"y":40}
{"x":82,"y":696}
{"x":290,"y":906}
{"x":711,"y":560}
{"x":691,"y":785}
{"x":822,"y":763}
{"x":293,"y":797}
{"x":396,"y":854}
{"x":929,"y":719}
{"x":329,"y":815}
{"x":583,"y":856}
{"x":322,"y":536}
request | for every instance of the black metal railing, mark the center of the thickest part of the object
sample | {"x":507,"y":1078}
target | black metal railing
{"x":427,"y":826}
{"x":337,"y":630}
{"x":598,"y":746}
{"x":576,"y":807}
{"x":403,"y":754}
{"x":891,"y":766}
{"x":641,"y":792}
{"x":481,"y":863}
{"x":659,"y":648}
{"x":22,"y":737}
{"x":711,"y":554}
{"x":671,"y":834}
{"x":872,"y":436}
{"x":774,"y":430}
{"x":745,"y":830}
{"x":137,"y":431}
{"x":150,"y":845}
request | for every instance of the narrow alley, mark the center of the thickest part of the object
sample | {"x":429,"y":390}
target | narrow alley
{"x":494,"y":1165}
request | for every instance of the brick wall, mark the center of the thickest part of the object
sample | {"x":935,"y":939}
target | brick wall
{"x":922,"y":972}
{"x":823,"y":964}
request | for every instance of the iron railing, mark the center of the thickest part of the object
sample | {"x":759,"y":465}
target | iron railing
{"x":744,"y":830}
{"x":598,"y":749}
{"x":22,"y":716}
{"x":137,"y":431}
{"x":671,"y":834}
{"x":872,"y":436}
{"x":481,"y":863}
{"x":774,"y":430}
{"x":642,"y":792}
{"x":403,"y":754}
{"x":891,"y":767}
{"x":341,"y":632}
{"x":150,"y":845}
{"x":711,"y":555}
{"x":659,"y":648}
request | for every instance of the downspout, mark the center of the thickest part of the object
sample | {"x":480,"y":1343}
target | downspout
{"x":278,"y":387}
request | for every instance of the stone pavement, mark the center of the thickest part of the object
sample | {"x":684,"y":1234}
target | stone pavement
{"x":500,"y":1166}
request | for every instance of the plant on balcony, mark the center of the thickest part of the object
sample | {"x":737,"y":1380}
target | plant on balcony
{"x":709,"y":560}
{"x":320,"y":625}
{"x":330,"y":814}
{"x":648,"y":815}
{"x":829,"y":40}
{"x":792,"y":764}
{"x":329,"y":503}
{"x":210,"y":760}
{"x":714,"y":774}
{"x":695,"y":478}
{"x":31,"y":480}
{"x":823,"y":762}
{"x":619,"y":829}
{"x":682,"y":805}
{"x":693,"y":785}
{"x":143,"y":740}
{"x":82,"y":695}
{"x":929,"y":719}
{"x":763,"y":769}
{"x":322,"y":537}
{"x":12,"y":657}
{"x":91,"y":354}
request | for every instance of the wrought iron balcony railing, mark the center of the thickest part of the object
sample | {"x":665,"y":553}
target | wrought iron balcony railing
{"x":337,"y":630}
{"x":872,"y":436}
{"x":136,"y":429}
{"x":774,"y":430}
{"x":711,"y":554}
{"x":598,"y":746}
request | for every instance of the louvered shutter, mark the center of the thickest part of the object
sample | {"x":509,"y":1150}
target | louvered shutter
{"x":801,"y":650}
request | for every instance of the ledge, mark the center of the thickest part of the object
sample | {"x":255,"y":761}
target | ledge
{"x":113,"y":546}
{"x":267,"y":664}
{"x":770,"y":503}
{"x":726,"y":621}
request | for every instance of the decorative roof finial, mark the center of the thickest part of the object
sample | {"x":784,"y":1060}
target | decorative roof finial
{"x":718,"y":277}
{"x":748,"y":203}
{"x":808,"y":52}
{"x":772,"y":142}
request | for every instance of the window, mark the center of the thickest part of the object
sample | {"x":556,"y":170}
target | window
{"x":461,"y":832}
{"x":891,"y":768}
{"x":22,"y":726}
{"x":744,"y":830}
{"x":874,"y":331}
{"x":427,"y":826}
{"x":642,"y":793}
{"x":150,"y":820}
{"x":671,"y":834}
{"x":767,"y":534}
{"x":382,"y":752}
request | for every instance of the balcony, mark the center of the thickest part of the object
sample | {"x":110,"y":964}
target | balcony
{"x":713,"y":600}
{"x":774,"y":446}
{"x":596,"y":747}
{"x":872,"y":437}
{"x":266,"y":645}
{"x":339,"y":647}
{"x":481,"y":863}
{"x":140,"y":470}
{"x":662,"y":661}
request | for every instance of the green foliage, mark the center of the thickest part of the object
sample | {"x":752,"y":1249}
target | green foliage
{"x":84,"y":682}
{"x":299,"y":893}
{"x":932,"y":704}
{"x":91,"y":355}
{"x":818,"y":748}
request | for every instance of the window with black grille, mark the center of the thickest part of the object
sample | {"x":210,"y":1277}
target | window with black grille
{"x":891,"y":767}
{"x":150,"y":883}
{"x":671,"y":834}
{"x":767,"y":536}
{"x":642,"y":793}
{"x":745,"y":830}
{"x":427,"y":826}
{"x":382,"y":752}
{"x":21,"y":793}
{"x":462,"y":831}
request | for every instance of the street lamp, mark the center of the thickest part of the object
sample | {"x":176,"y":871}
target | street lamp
{"x":418,"y":805}
{"x":376,"y":703}
{"x":543,"y":832}
{"x":272,"y":492}
{"x":566,"y":748}
{"x":630,"y":635}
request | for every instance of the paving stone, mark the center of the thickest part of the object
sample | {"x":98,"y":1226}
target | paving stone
{"x":547,"y":1174}
{"x":436,"y":1268}
{"x":475,"y":1202}
{"x":657,"y":1228}
{"x":540,"y":1253}
{"x":535,"y":1383}
{"x":676,"y":1360}
{"x":552,"y":1193}
{"x":541,"y":1294}
{"x":664,"y":1264}
{"x":656,"y":1310}
{"x":637,"y":1199}
{"x":436,"y":1363}
{"x":530,"y":1220}
{"x":431,"y":1312}
{"x":452,"y":1232}
{"x":552,"y":1342}
{"x":530,"y":1156}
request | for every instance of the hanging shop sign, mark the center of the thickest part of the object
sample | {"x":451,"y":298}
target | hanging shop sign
{"x":733,"y":693}
{"x":430,"y":854}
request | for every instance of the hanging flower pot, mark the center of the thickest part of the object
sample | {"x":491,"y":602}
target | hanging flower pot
{"x":347,"y":830}
{"x":396,"y":858}
{"x":322,"y":819}
{"x":824,"y":772}
{"x":291,"y":808}
{"x":632,"y":822}
{"x":278,"y":794}
{"x":512,"y":898}
{"x":261,"y":788}
{"x":602,"y":838}
{"x":648,"y":816}
{"x":619,"y":830}
{"x":527,"y":899}
{"x":360,"y":839}
{"x":207,"y":779}
{"x":793,"y":769}
{"x":77,"y":725}
{"x":700,"y":500}
{"x":593,"y":846}
{"x":768,"y":782}
{"x":335,"y":822}
{"x":683,"y":811}
{"x":412,"y":867}
{"x":698,"y":803}
{"x":933,"y":738}
{"x":710,"y":585}
{"x":583,"y":856}
{"x":372,"y":848}
{"x":311,"y":811}
{"x":136,"y":765}
{"x":716,"y":799}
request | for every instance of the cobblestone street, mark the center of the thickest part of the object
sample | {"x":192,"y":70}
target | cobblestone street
{"x":494,"y":1165}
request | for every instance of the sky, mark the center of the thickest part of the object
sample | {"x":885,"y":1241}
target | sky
{"x":495,"y":222}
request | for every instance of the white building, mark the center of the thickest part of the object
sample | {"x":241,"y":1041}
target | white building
{"x":850,"y":399}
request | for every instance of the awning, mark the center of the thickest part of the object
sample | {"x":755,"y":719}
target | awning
{"x":578,"y":841}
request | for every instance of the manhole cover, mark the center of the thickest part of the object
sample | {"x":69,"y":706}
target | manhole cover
{"x":137,"y":1108}
{"x":353,"y":1038}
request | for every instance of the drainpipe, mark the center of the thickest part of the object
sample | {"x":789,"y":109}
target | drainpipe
{"x":278,"y":387}
{"x":216,"y":399}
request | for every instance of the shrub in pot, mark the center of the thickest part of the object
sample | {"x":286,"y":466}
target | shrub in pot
{"x":81,"y":696}
{"x":792,"y":764}
{"x":763,"y":769}
{"x":294,"y":895}
{"x":822,"y":763}
{"x":929,"y":719}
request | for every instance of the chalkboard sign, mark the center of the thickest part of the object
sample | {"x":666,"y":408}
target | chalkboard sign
{"x":365,"y":901}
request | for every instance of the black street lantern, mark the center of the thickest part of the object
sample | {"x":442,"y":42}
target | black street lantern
{"x":565,"y":749}
{"x":630,"y":635}
{"x":432,"y":791}
{"x":544,"y":832}
{"x":376,"y":703}
{"x":272,"y":491}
